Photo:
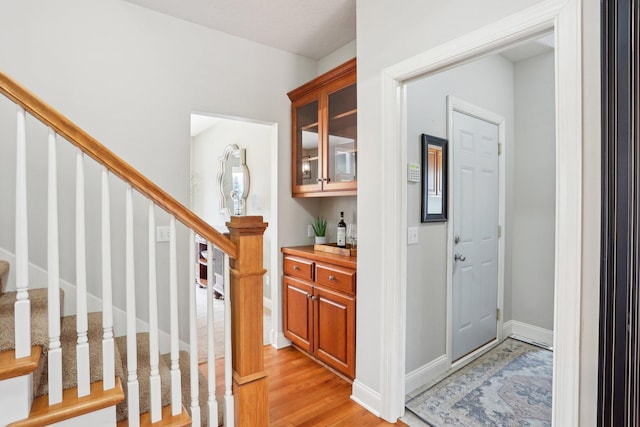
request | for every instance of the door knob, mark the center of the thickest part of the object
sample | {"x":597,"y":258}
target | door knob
{"x":459,"y":257}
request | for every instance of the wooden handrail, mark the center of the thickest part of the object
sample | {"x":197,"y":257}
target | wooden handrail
{"x":101,"y":154}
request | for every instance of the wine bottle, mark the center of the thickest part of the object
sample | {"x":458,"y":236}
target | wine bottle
{"x":342,"y":232}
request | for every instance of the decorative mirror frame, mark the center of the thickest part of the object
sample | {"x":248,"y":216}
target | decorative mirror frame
{"x":240,"y":153}
{"x":428,"y":140}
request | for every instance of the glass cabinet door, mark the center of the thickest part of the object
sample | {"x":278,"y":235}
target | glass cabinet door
{"x":308,"y":165}
{"x":342,"y":138}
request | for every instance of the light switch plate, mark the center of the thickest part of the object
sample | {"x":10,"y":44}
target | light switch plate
{"x":412,"y":235}
{"x":162,"y":234}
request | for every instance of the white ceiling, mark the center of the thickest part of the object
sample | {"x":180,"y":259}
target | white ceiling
{"x":311,"y":28}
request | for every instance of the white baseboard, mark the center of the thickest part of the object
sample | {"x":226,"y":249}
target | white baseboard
{"x":38,"y":279}
{"x":530,"y":332}
{"x":278,"y":340}
{"x":366,"y":397}
{"x":425,"y":374}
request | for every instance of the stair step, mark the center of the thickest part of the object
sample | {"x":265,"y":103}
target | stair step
{"x":11,"y":367}
{"x":181,"y":420}
{"x":39,"y":318}
{"x":71,"y":406}
{"x":203,"y":390}
{"x":144,"y":370}
{"x":68,"y":339}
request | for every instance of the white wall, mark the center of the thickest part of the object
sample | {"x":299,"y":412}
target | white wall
{"x":487,"y":83}
{"x":337,"y":57}
{"x":206,"y":149}
{"x":131,"y":77}
{"x":534,"y":207}
{"x":387,"y":35}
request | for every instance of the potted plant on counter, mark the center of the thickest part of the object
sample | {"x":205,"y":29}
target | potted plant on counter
{"x":320,"y":228}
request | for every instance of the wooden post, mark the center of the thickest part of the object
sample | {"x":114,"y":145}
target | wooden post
{"x":250,"y":386}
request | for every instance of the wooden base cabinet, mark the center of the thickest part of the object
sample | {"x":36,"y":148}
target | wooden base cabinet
{"x":320,"y":308}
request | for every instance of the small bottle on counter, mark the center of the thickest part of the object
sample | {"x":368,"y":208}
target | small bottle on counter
{"x":342,"y":232}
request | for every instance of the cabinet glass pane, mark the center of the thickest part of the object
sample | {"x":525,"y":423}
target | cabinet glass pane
{"x":343,"y":148}
{"x":307,"y":144}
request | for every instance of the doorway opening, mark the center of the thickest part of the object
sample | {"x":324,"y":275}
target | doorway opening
{"x":508,"y":204}
{"x":211,"y":138}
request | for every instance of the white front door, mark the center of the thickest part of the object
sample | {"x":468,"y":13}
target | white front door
{"x":475,"y":230}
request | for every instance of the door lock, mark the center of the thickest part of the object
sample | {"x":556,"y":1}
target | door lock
{"x":459,"y":257}
{"x":456,"y":239}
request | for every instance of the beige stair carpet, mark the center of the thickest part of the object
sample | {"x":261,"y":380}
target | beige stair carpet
{"x":39,"y":326}
{"x":203,"y":394}
{"x":4,"y":275}
{"x":68,"y":339}
{"x":39,"y":319}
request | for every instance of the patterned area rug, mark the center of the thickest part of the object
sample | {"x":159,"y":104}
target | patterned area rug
{"x":508,"y":386}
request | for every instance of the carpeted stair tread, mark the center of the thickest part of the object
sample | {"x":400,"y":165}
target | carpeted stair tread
{"x":39,"y":319}
{"x":144,"y":370}
{"x":68,"y":339}
{"x":39,"y":326}
{"x":203,"y":392}
{"x":4,"y":275}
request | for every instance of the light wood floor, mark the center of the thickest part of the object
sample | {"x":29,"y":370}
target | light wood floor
{"x":304,"y":393}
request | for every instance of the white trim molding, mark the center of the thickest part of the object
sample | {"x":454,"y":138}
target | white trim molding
{"x":425,"y":373}
{"x":366,"y":397}
{"x":562,"y":16}
{"x":530,"y":332}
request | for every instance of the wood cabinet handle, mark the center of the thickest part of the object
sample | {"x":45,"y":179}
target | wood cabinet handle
{"x":295,"y":267}
{"x":332,"y":277}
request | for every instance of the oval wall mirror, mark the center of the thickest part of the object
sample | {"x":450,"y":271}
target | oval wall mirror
{"x":233,"y":181}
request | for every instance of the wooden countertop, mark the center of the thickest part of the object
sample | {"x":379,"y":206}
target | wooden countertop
{"x":309,"y":252}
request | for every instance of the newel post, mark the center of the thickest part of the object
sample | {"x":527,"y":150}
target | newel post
{"x":250,"y":386}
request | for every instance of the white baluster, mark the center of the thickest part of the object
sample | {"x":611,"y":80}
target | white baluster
{"x":154,"y":376}
{"x":132,"y":350}
{"x":228,"y":379}
{"x":53,"y":283}
{"x":22,"y":311}
{"x":108,"y":357}
{"x":82,"y":324}
{"x":176,"y":381}
{"x":211,"y":362}
{"x":193,"y":335}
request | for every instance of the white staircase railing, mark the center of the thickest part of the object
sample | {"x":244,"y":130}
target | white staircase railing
{"x":60,"y":129}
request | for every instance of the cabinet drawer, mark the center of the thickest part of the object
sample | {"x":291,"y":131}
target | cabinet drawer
{"x":338,"y":278}
{"x":298,"y":267}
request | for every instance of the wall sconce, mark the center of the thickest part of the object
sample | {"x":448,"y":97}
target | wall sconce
{"x":306,"y":167}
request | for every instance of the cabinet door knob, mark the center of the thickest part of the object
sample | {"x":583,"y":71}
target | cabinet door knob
{"x":314,"y":298}
{"x":295,"y":267}
{"x":319,"y":179}
{"x":308,"y":295}
{"x":332,"y":277}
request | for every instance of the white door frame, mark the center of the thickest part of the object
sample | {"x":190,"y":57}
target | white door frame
{"x":563,"y":16}
{"x":461,"y":106}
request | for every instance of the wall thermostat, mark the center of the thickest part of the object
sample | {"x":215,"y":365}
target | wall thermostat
{"x":413,"y":172}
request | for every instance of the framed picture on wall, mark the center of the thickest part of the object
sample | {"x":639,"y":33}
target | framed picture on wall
{"x":434,"y":179}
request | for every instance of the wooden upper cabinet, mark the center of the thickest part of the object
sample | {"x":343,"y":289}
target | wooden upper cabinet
{"x":325,"y":135}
